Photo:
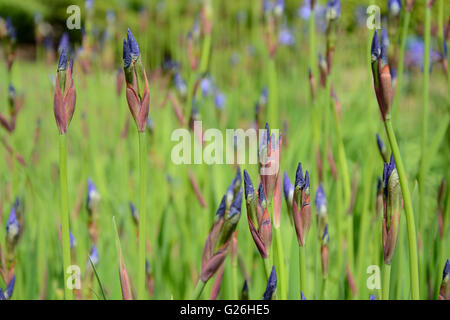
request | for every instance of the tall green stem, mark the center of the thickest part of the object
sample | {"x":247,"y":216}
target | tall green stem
{"x":386,"y":281}
{"x":198,"y":290}
{"x":142,"y":214}
{"x":272,"y":113}
{"x":410,"y":223}
{"x":423,"y":141}
{"x":401,"y":59}
{"x":65,"y":220}
{"x":302,"y":269}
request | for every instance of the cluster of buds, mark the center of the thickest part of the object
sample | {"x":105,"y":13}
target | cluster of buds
{"x":392,"y":199}
{"x":7,"y":294}
{"x":382,"y":79}
{"x":220,"y":236}
{"x":65,"y":96}
{"x":444,"y":292}
{"x":258,"y":216}
{"x":8,"y":35}
{"x":273,"y":15}
{"x":137,"y":90}
{"x":271,"y":285}
{"x":15,"y":105}
{"x":301,"y":206}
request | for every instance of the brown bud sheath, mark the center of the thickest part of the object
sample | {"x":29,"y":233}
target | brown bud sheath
{"x":139,"y":107}
{"x":64,"y":103}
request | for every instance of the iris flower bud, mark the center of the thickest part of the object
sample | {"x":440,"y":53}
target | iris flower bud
{"x":65,"y":95}
{"x":92,"y":198}
{"x":321,"y":207}
{"x":259,"y":224}
{"x":381,"y":76}
{"x":444,"y":292}
{"x":382,"y":148}
{"x":271,"y":285}
{"x":394,"y":7}
{"x":301,"y":207}
{"x":137,"y":91}
{"x":392,"y":207}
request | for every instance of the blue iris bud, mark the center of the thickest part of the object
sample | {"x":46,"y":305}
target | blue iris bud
{"x":93,"y":196}
{"x":302,"y":296}
{"x":375,"y":49}
{"x":133,"y":46}
{"x":62,"y":64}
{"x":248,"y":185}
{"x":271,"y":285}
{"x":394,"y":7}
{"x":333,"y":9}
{"x":12,"y":227}
{"x":446,"y":272}
{"x":321,"y":201}
{"x":219,"y":100}
{"x":94,"y":255}
{"x":288,"y":187}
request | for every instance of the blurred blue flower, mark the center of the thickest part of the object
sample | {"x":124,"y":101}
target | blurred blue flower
{"x":285,"y":37}
{"x":394,"y":7}
{"x":219,"y":100}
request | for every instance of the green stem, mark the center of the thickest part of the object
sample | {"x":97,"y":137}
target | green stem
{"x":423,"y":141}
{"x":65,"y":220}
{"x":326,"y":128}
{"x":267,"y":267}
{"x":280,"y":267}
{"x":324,"y":288}
{"x":142,"y":214}
{"x":302,"y":269}
{"x":401,"y":59}
{"x":386,"y":281}
{"x":205,"y":54}
{"x":272,"y":112}
{"x":414,"y":272}
{"x":198,"y":290}
{"x":234,"y":285}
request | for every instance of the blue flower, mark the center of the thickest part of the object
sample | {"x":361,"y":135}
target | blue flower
{"x":387,"y":171}
{"x":394,"y":7}
{"x":222,"y":207}
{"x":321,"y":201}
{"x":219,"y":100}
{"x":180,"y":84}
{"x":446,"y":272}
{"x":10,"y":288}
{"x":288,"y":187}
{"x":206,"y":86}
{"x":304,"y":12}
{"x":64,"y":43}
{"x":248,"y":185}
{"x":271,"y":285}
{"x":279,"y":8}
{"x":12,"y":226}
{"x":285,"y":37}
{"x":62,"y":64}
{"x":73,"y":241}
{"x":133,"y":45}
{"x":333,"y":9}
{"x":302,"y":296}
{"x":372,"y":297}
{"x":375,"y":49}
{"x":94,"y":255}
{"x":93,"y":196}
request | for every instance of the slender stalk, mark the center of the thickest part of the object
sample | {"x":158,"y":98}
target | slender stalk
{"x":142,"y":214}
{"x":64,"y":214}
{"x":272,"y":112}
{"x":206,"y":49}
{"x":423,"y":141}
{"x":324,"y":288}
{"x":198,"y":290}
{"x":386,"y":281}
{"x":302,"y":269}
{"x":267,"y":267}
{"x":401,"y":59}
{"x":312,"y":44}
{"x":326,"y":128}
{"x":234,"y":285}
{"x":412,"y":239}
